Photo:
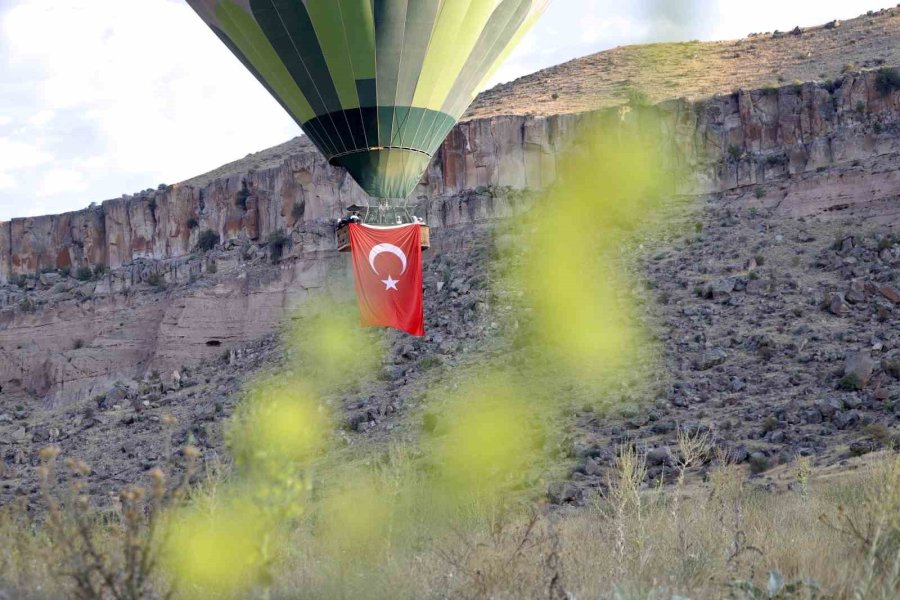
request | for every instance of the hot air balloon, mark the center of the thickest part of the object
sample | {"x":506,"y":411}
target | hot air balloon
{"x":376,"y":85}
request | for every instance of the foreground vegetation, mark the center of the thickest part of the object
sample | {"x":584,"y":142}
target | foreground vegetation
{"x":455,"y":507}
{"x":718,"y":538}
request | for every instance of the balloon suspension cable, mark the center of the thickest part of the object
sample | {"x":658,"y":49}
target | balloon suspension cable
{"x":387,"y":213}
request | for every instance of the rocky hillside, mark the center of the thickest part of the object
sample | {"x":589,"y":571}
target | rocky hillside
{"x":695,"y":70}
{"x":779,"y":313}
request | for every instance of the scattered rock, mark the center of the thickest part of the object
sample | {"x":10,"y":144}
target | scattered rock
{"x":562,"y":492}
{"x":838,"y":306}
{"x":711,"y":358}
{"x":890,"y":293}
{"x":857,"y":292}
{"x":860,"y":365}
{"x":659,"y":456}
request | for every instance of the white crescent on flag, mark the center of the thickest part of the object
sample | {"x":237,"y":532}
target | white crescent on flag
{"x":381,"y":249}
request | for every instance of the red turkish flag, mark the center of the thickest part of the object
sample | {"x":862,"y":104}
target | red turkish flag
{"x":387,"y":268}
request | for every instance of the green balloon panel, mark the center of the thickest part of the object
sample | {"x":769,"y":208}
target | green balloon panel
{"x":376,"y":84}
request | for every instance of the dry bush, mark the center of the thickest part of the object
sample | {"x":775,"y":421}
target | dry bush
{"x":841,"y":538}
{"x":729,"y":541}
{"x":97,"y":555}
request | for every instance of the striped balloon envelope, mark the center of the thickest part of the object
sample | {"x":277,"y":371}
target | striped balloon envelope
{"x":375,"y":84}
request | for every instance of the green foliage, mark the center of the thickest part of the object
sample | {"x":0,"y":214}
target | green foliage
{"x":156,"y":280}
{"x":277,"y":241}
{"x":298,"y":210}
{"x":887,"y":81}
{"x":637,"y":97}
{"x":207,"y":240}
{"x":759,"y":464}
{"x":759,"y":193}
{"x":735,"y":152}
{"x":776,"y":160}
{"x":84,"y":273}
{"x":850,"y":383}
{"x":242,"y":195}
{"x":99,"y":270}
{"x":428,"y":362}
{"x":776,"y":589}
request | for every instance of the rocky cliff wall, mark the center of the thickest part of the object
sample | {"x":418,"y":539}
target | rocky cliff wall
{"x":730,"y":143}
{"x":798,"y":150}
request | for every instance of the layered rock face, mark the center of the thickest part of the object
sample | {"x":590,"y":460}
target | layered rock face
{"x":729,"y":142}
{"x":798,"y":150}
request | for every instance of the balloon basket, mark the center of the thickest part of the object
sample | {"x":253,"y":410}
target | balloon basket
{"x":343,"y":237}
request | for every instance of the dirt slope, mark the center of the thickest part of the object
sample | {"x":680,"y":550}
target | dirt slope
{"x":695,"y":70}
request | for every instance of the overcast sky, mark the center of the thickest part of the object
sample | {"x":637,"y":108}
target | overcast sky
{"x":104,"y":97}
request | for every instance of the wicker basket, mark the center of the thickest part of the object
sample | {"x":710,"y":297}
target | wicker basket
{"x":343,"y":238}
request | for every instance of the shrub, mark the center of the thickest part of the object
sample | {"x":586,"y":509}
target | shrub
{"x":156,"y":280}
{"x":212,"y":268}
{"x":242,"y":195}
{"x":298,"y":210}
{"x":860,"y":107}
{"x":193,"y":223}
{"x":122,"y":561}
{"x":65,"y":271}
{"x":99,"y":270}
{"x":207,"y":240}
{"x":637,"y":97}
{"x":850,"y":383}
{"x":735,"y":152}
{"x":277,"y":241}
{"x":878,"y":432}
{"x":84,"y":273}
{"x":759,"y":463}
{"x":759,"y":192}
{"x":886,"y":242}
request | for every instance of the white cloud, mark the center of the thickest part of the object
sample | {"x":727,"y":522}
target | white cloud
{"x":41,"y":118}
{"x":15,"y":155}
{"x":6,"y":181}
{"x":60,"y":181}
{"x":142,"y":88}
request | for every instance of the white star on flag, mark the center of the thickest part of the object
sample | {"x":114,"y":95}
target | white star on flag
{"x":390,"y":283}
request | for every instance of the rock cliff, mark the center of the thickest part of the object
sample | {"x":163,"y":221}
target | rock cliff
{"x":748,"y":138}
{"x":798,"y":150}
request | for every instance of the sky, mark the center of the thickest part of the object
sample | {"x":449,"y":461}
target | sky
{"x":99,"y":98}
